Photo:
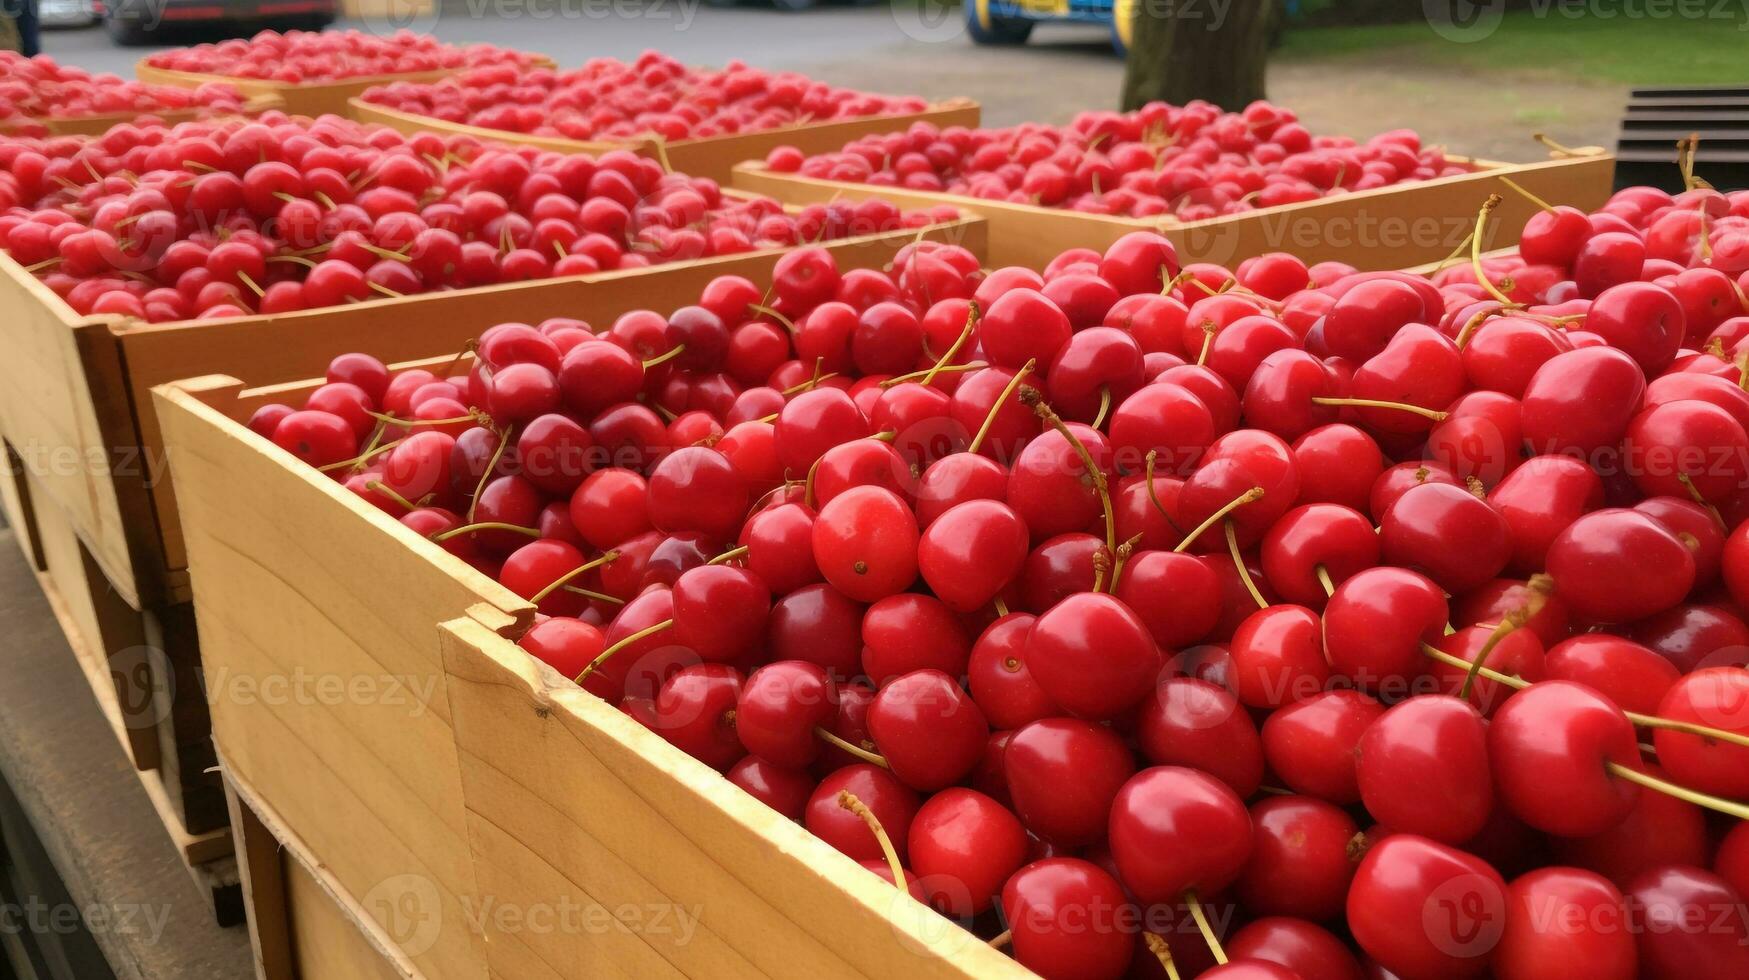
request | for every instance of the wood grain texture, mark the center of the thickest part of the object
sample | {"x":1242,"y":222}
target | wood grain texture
{"x":1386,"y":228}
{"x":706,"y":156}
{"x":570,"y":801}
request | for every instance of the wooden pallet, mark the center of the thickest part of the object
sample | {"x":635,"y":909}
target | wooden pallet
{"x":710,"y":156}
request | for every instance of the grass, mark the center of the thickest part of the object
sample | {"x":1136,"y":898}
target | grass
{"x":1670,"y":50}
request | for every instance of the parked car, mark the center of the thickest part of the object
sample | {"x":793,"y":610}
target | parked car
{"x":1011,"y":21}
{"x":66,"y":13}
{"x":139,"y":21}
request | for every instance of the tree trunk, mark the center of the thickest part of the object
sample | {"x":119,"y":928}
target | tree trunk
{"x":1198,"y":49}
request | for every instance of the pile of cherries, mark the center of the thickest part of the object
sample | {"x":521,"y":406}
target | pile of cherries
{"x":39,"y":88}
{"x":226,"y":218}
{"x":610,"y":99}
{"x":1192,"y":162}
{"x":326,"y":56}
{"x":1266,"y":623}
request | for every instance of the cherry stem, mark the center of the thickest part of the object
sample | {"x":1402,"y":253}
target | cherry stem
{"x":666,"y":356}
{"x":410,"y":423}
{"x":928,"y":374}
{"x":379,"y":486}
{"x":1450,"y":660}
{"x":1239,"y":563}
{"x":611,"y":600}
{"x":1512,"y":621}
{"x":958,"y":342}
{"x":1001,"y":939}
{"x":811,"y":383}
{"x":1162,"y":952}
{"x":1324,"y":580}
{"x":1104,"y":406}
{"x":1124,"y":551}
{"x":254,"y":286}
{"x":1527,"y":195}
{"x":479,"y":488}
{"x":1001,"y":607}
{"x":1474,"y":324}
{"x":1728,"y":807}
{"x":362,"y":458}
{"x":1557,"y":147}
{"x":456,"y":532}
{"x":728,"y":556}
{"x":808,"y":486}
{"x":1148,"y":463}
{"x":852,"y":748}
{"x":1202,"y":924}
{"x":553,"y":586}
{"x":788,"y":324}
{"x":1044,"y":411}
{"x":1208,"y":341}
{"x":1488,"y":207}
{"x":468,"y":348}
{"x":1249,"y":496}
{"x":646,"y":632}
{"x":1002,"y":399}
{"x":1101,"y":566}
{"x":1456,"y":253}
{"x":1426,"y":413}
{"x":848,"y":801}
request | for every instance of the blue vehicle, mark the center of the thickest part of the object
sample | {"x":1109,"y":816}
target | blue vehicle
{"x":1010,"y":21}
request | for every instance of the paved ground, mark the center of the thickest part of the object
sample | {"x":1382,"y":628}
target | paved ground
{"x":917,"y":46}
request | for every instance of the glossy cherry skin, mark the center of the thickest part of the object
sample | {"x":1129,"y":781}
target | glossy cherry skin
{"x":1049,"y":486}
{"x":865,"y":542}
{"x":1732,"y":860}
{"x":780,"y":706}
{"x":1193,"y":723}
{"x":1062,"y":774}
{"x":1375,"y":623}
{"x":567,"y":645}
{"x":813,"y":422}
{"x":1278,"y":656}
{"x":1368,"y":315}
{"x":1425,"y":910}
{"x":1582,"y":401}
{"x":972,"y":552}
{"x":1174,"y":829}
{"x":1419,"y":366}
{"x":1448,"y":533}
{"x":1235,"y":464}
{"x":930,"y":732}
{"x":1423,"y":769}
{"x":1565,"y":923}
{"x":1550,"y":744}
{"x":694,"y":712}
{"x":1538,"y":501}
{"x":1092,"y":655}
{"x":1310,"y":951}
{"x":1303,"y":856}
{"x":1504,"y":352}
{"x":720,"y":611}
{"x":1588,"y":558}
{"x":1332,"y":536}
{"x":1177,"y":596}
{"x":1397,"y":480}
{"x":964,"y":846}
{"x":911,"y":631}
{"x":1674,"y":446}
{"x":1312,"y":744}
{"x":1715,"y":697}
{"x":1659,"y":831}
{"x":1518,"y":653}
{"x":1670,"y":903}
{"x":956,"y":479}
{"x":1643,"y":320}
{"x":1627,"y":673}
{"x":1338,"y":464}
{"x":999,"y":680}
{"x":819,"y":624}
{"x":1167,"y":420}
{"x":1693,"y":637}
{"x":784,"y":790}
{"x":1070,"y":920}
{"x":893,"y":803}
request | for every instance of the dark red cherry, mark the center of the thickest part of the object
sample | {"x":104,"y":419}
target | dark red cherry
{"x":929,"y":730}
{"x":1422,"y":909}
{"x":1194,"y":723}
{"x":1062,"y":775}
{"x":1176,"y":829}
{"x":964,"y":846}
{"x":1551,"y":745}
{"x":1423,"y":769}
{"x":779,"y":708}
{"x":999,"y":680}
{"x":1069,"y":919}
{"x":1092,"y":655}
{"x":1312,"y":744}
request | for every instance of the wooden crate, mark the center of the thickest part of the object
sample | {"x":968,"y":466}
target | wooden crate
{"x":710,"y":156}
{"x":1385,"y":228}
{"x":100,"y":123}
{"x":508,"y":788}
{"x":299,"y":98}
{"x":84,"y":443}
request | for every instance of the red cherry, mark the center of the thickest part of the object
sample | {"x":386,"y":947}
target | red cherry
{"x":1582,"y":401}
{"x":567,"y":645}
{"x":930,"y":732}
{"x":316,"y":438}
{"x":1449,"y":533}
{"x":1586,"y":561}
{"x":1623,"y":671}
{"x":1423,"y":769}
{"x":1091,"y":654}
{"x":1312,"y":744}
{"x":1069,"y":919}
{"x":1278,"y":656}
{"x":1193,"y":723}
{"x":1422,"y":909}
{"x":908,"y":632}
{"x":1174,"y":830}
{"x":865,"y":542}
{"x":1668,"y":903}
{"x":1660,"y":830}
{"x":1539,"y":500}
{"x":1176,"y":596}
{"x":964,"y":846}
{"x":817,"y":623}
{"x":694,"y":711}
{"x":1563,"y":921}
{"x":1062,"y":775}
{"x":1311,"y":952}
{"x":784,"y":790}
{"x":1375,"y":623}
{"x":972,"y":552}
{"x":780,"y":706}
{"x":892,"y":803}
{"x":1305,"y":852}
{"x":1551,"y":745}
{"x":998,"y":678}
{"x":1718,"y":698}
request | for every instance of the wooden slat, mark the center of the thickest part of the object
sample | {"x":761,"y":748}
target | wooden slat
{"x":709,"y":156}
{"x":570,"y":800}
{"x":262,"y":874}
